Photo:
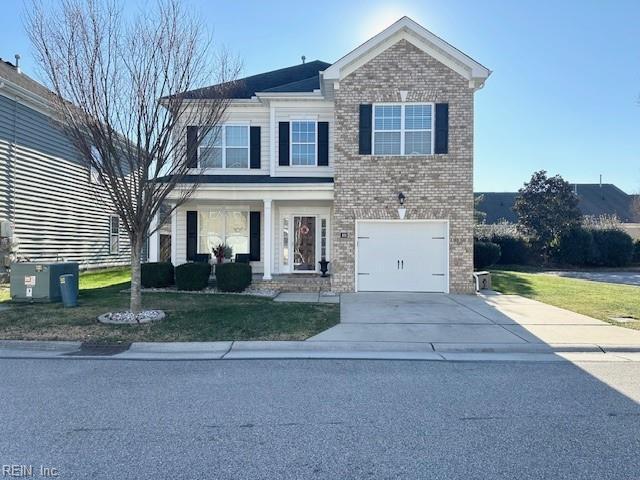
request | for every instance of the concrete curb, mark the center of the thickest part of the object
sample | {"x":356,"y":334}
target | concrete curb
{"x":227,"y":350}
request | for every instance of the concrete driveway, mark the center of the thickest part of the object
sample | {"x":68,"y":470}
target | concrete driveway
{"x":457,"y":321}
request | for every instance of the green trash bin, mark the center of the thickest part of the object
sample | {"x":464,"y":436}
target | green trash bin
{"x":69,"y":290}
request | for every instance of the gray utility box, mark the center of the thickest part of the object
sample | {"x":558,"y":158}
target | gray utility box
{"x":39,"y":282}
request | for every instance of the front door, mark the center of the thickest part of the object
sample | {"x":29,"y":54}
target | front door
{"x":304,"y":244}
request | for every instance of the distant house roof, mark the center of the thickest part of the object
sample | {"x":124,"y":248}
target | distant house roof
{"x":304,"y":77}
{"x":593,"y":200}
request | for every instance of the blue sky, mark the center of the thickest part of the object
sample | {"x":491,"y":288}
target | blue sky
{"x":564,"y":94}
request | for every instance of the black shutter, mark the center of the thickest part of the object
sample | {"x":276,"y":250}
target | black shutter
{"x":254,"y":142}
{"x":254,"y":236}
{"x":192,"y":147}
{"x":192,"y":235}
{"x":283,"y":144}
{"x":442,"y":128}
{"x":323,"y":144}
{"x":366,"y":113}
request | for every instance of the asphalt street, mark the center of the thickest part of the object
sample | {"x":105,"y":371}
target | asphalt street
{"x":320,"y":419}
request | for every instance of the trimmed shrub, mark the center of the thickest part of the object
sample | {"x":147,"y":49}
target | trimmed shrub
{"x":576,"y":247}
{"x":156,"y":274}
{"x":192,"y":276}
{"x":636,"y":252}
{"x":485,"y":254}
{"x":615,"y":247}
{"x":233,"y":277}
{"x":513,"y":250}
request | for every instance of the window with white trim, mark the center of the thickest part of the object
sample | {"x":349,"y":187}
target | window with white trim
{"x":114,"y":234}
{"x":225,"y":146}
{"x":403,"y":129}
{"x":303,"y":143}
{"x":222,"y":226}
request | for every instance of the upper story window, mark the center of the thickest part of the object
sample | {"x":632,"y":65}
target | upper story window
{"x":94,"y":175}
{"x":303,"y":143}
{"x":226,"y":146}
{"x":403,"y":129}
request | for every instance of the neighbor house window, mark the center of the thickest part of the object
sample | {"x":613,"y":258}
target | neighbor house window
{"x":94,"y":175}
{"x":404,"y":129}
{"x":226,"y":146}
{"x":303,"y":143}
{"x":114,"y":234}
{"x":221,"y":226}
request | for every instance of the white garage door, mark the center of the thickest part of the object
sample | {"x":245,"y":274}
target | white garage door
{"x":402,"y":256}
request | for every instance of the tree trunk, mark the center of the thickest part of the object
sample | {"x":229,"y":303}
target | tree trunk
{"x":136,"y":295}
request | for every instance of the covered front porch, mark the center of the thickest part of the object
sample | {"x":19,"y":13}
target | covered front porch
{"x":284,"y":232}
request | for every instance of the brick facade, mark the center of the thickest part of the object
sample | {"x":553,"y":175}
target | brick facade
{"x":436,"y":186}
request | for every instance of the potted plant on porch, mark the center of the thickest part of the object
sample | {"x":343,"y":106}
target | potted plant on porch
{"x":222,"y":251}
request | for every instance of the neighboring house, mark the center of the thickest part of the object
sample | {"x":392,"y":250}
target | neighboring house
{"x":316,"y":160}
{"x":51,"y":207}
{"x":594,"y":199}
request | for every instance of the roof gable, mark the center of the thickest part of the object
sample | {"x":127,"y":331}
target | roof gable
{"x":409,"y":30}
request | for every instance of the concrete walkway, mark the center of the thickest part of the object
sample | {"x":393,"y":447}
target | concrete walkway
{"x":624,"y":278}
{"x":463,"y":321}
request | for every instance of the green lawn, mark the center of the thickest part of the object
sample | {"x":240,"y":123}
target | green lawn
{"x":597,"y":300}
{"x":190,"y":317}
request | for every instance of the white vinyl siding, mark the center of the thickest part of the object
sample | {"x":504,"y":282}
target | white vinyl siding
{"x":403,"y":129}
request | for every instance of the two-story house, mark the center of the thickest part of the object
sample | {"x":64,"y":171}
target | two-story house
{"x":366,"y":162}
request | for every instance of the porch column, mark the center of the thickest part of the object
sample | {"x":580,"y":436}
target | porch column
{"x":267,"y":239}
{"x":154,"y":240}
{"x":174,"y":235}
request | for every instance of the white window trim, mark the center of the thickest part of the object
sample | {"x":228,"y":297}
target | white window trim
{"x":402,"y":130}
{"x":116,"y":235}
{"x":223,"y":146}
{"x":242,"y":208}
{"x":315,"y":150}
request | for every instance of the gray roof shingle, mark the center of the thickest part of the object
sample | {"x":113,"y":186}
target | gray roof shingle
{"x":299,"y":78}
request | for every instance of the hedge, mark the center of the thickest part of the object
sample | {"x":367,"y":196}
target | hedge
{"x":614,"y":247}
{"x":156,"y":274}
{"x":576,"y":247}
{"x":485,"y":254}
{"x":192,"y":276}
{"x":233,"y":277}
{"x":636,"y":252}
{"x":513,"y":250}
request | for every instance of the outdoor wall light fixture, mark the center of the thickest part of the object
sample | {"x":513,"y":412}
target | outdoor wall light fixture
{"x":401,"y":211}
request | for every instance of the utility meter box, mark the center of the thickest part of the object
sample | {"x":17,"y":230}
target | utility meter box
{"x":39,"y":282}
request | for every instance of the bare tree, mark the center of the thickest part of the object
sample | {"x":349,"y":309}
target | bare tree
{"x":119,"y":84}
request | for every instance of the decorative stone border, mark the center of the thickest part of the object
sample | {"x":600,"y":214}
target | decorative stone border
{"x":211,"y":291}
{"x":128,"y":318}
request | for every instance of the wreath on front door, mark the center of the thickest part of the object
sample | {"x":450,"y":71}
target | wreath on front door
{"x":304,"y":230}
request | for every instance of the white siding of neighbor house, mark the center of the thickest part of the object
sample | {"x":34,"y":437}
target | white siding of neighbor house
{"x":57,"y":212}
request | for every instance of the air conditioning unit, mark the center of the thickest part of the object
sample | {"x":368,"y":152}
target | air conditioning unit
{"x":5,"y":229}
{"x":34,"y":281}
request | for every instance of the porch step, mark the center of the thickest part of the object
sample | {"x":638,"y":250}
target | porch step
{"x":294,"y":283}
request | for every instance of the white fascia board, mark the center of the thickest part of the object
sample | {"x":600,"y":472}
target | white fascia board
{"x":405,"y":28}
{"x":243,"y":192}
{"x":315,"y":95}
{"x":22,"y":95}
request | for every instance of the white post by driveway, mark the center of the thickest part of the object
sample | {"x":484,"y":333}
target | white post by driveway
{"x":267,"y":239}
